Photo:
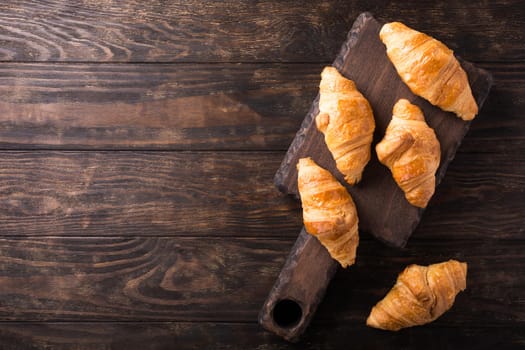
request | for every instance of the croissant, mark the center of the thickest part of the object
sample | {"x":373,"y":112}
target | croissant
{"x":412,"y":152}
{"x":347,"y":122}
{"x":429,"y":68}
{"x":329,"y":212}
{"x":421,"y":294}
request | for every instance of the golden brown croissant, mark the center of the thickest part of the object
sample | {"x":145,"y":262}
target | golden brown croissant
{"x":429,"y":68}
{"x":412,"y":152}
{"x":347,"y":122}
{"x":329,"y":212}
{"x":421,"y":294}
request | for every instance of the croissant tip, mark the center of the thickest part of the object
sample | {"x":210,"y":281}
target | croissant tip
{"x":385,"y":27}
{"x":329,"y":69}
{"x":352,"y":180}
{"x":389,"y":27}
{"x":302,"y":162}
{"x":305,"y":160}
{"x":347,"y":263}
{"x":371,"y":321}
{"x":467,"y":117}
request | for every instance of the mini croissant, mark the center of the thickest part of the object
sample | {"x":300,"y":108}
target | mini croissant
{"x":347,"y":122}
{"x":420,"y":295}
{"x":430,"y":69}
{"x":329,"y":212}
{"x":411,"y":150}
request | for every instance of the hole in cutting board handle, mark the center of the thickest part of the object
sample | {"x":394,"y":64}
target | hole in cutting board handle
{"x":287,"y":313}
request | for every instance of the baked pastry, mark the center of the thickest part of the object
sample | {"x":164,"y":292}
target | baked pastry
{"x":329,"y":212}
{"x":430,"y":69}
{"x":421,"y":294}
{"x":411,"y":150}
{"x":347,"y":122}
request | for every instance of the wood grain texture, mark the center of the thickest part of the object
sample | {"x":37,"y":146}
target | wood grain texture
{"x":213,"y":279}
{"x":180,"y":335}
{"x":141,"y":106}
{"x":499,"y":126}
{"x":478,"y":199}
{"x":224,"y":194}
{"x":383,"y":209}
{"x":144,"y":193}
{"x":103,"y":249}
{"x":187,"y":279}
{"x":233,"y":31}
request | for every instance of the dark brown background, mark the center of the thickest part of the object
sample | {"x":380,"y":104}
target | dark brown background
{"x":138,"y":146}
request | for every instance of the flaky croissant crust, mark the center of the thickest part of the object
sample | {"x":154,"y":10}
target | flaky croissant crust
{"x":329,"y":212}
{"x":429,"y":69}
{"x":421,"y":294}
{"x":347,"y":122}
{"x":411,"y":150}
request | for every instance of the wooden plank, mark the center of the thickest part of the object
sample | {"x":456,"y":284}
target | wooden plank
{"x":226,"y":280}
{"x":141,"y":106}
{"x":186,"y":279}
{"x":382,"y":207}
{"x":145,"y":193}
{"x":51,"y":193}
{"x":478,"y":199}
{"x":233,"y":31}
{"x":241,"y":336}
{"x":190,"y":107}
{"x":500,"y":127}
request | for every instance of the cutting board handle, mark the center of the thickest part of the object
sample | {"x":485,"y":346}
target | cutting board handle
{"x":299,"y":289}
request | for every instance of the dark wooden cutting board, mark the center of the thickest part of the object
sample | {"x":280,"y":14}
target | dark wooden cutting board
{"x":381,"y":205}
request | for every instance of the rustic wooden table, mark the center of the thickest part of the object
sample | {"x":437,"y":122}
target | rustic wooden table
{"x":139,"y":141}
